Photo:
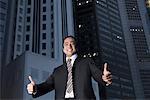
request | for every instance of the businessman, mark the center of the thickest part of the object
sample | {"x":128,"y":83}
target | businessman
{"x":72,"y":80}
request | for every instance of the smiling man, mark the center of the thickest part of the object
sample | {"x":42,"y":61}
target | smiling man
{"x":72,"y":80}
{"x":69,"y":46}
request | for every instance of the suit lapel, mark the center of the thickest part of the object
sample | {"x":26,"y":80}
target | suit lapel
{"x":76,"y":62}
{"x":75,"y":73}
{"x":65,"y":72}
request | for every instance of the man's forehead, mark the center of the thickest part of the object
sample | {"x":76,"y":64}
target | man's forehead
{"x":69,"y":39}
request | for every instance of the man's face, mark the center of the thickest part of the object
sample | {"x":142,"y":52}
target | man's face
{"x":69,"y":46}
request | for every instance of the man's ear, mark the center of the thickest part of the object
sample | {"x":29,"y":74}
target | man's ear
{"x":76,"y":46}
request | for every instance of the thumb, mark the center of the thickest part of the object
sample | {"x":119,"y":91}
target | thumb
{"x":105,"y":69}
{"x":31,"y":80}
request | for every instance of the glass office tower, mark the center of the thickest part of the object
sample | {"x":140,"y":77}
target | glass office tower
{"x":100,"y":36}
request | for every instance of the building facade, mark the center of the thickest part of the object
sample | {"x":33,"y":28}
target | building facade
{"x":135,"y":21}
{"x":36,"y":27}
{"x":15,"y":83}
{"x":3,"y":15}
{"x":100,"y":35}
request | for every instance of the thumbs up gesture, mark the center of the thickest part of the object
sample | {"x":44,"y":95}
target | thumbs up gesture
{"x":107,"y":77}
{"x":30,"y":86}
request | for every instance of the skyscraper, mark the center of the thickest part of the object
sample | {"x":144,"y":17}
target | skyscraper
{"x":137,"y":35}
{"x":100,"y":35}
{"x":35,"y":28}
{"x":38,"y":28}
{"x":3,"y":15}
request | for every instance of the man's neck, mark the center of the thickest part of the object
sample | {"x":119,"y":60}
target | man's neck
{"x":74,"y":56}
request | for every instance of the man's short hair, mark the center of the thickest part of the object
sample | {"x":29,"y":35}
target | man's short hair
{"x":70,"y":36}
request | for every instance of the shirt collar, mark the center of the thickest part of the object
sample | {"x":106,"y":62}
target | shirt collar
{"x":73,"y":57}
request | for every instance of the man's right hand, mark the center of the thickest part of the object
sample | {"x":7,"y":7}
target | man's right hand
{"x":30,"y":86}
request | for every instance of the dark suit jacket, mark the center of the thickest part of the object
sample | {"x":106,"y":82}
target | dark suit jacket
{"x":83,"y":70}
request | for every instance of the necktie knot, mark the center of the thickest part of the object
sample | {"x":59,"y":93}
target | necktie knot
{"x":69,"y":60}
{"x":69,"y":63}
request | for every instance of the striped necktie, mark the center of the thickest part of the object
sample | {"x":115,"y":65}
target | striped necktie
{"x":69,"y":82}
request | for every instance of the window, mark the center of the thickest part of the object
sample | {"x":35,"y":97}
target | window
{"x":1,"y":39}
{"x":52,"y":34}
{"x":28,"y":19}
{"x":52,"y":44}
{"x":52,"y":25}
{"x":27,"y":28}
{"x":44,"y":36}
{"x":43,"y":46}
{"x":44,"y":54}
{"x":19,"y":28}
{"x":28,"y":10}
{"x":29,"y":2}
{"x":18,"y":37}
{"x":52,"y":54}
{"x":44,"y":17}
{"x":44,"y":9}
{"x":2,"y":16}
{"x":21,"y":2}
{"x":1,"y":28}
{"x":18,"y":47}
{"x":52,"y":7}
{"x":52,"y":16}
{"x":44,"y":27}
{"x":2,"y":5}
{"x":20,"y":10}
{"x":27,"y":37}
{"x":27,"y":47}
{"x":20,"y":19}
{"x":44,"y":1}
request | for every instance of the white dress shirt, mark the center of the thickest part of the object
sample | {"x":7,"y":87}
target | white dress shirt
{"x":73,"y":58}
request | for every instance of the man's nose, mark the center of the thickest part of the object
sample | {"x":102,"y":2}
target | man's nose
{"x":69,"y":45}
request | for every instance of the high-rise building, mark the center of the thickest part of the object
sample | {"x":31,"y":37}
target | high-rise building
{"x":9,"y":32}
{"x":137,"y":35}
{"x":100,"y":35}
{"x":38,"y":25}
{"x":34,"y":29}
{"x":3,"y":15}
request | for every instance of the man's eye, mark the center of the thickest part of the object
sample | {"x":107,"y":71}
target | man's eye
{"x":72,"y":43}
{"x":66,"y":44}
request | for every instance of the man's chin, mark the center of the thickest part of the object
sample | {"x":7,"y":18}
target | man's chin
{"x":70,"y":54}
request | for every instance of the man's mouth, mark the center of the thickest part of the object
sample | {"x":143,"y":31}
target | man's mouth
{"x":69,"y":50}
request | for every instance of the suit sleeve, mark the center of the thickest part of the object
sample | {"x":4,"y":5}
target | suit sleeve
{"x":44,"y":87}
{"x":96,"y":72}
